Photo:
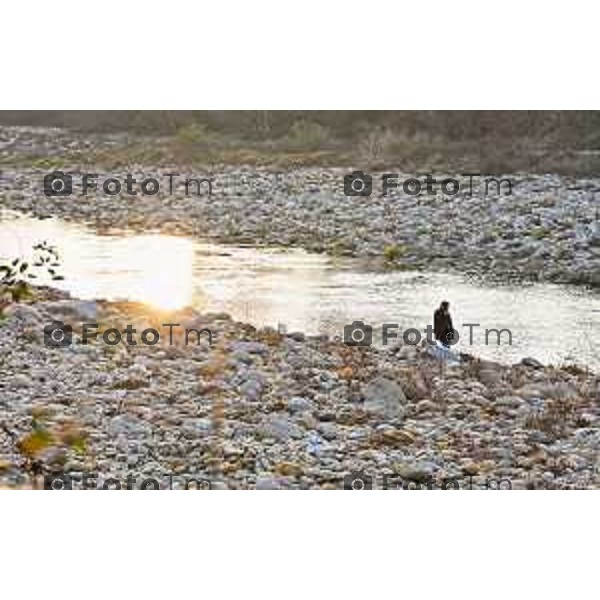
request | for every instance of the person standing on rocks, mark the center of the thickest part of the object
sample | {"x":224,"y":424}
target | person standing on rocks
{"x":442,"y":325}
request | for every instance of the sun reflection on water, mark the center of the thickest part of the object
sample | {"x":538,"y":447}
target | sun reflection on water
{"x":157,"y":269}
{"x":153,"y":269}
{"x":305,"y":292}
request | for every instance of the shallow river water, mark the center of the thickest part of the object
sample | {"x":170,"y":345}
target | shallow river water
{"x":312,"y":293}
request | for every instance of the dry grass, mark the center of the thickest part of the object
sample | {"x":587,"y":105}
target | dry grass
{"x":555,"y":418}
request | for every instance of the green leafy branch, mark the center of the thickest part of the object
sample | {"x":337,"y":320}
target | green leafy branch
{"x":16,"y":274}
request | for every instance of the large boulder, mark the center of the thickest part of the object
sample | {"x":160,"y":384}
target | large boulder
{"x":531,"y":363}
{"x":384,"y":398}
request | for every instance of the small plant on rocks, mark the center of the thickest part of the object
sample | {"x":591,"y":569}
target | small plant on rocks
{"x":392,"y":252}
{"x":16,"y":274}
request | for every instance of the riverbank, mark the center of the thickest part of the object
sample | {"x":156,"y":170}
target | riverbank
{"x":312,"y":293}
{"x":259,"y":409}
{"x":547,"y":230}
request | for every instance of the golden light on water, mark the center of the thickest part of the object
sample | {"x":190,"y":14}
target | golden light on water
{"x":153,"y":269}
{"x":158,"y":270}
{"x":304,"y":292}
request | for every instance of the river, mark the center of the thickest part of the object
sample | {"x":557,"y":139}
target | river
{"x":312,"y":293}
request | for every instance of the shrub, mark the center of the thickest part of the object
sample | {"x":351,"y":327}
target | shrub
{"x":35,"y":442}
{"x":305,"y":135}
{"x":392,"y":252}
{"x":377,"y":144}
{"x":15,"y":274}
{"x":193,"y":135}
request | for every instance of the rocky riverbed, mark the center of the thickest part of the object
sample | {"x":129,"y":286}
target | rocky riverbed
{"x":261,"y":409}
{"x":548,"y":229}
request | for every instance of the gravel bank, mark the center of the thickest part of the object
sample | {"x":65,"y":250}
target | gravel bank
{"x":262,"y":410}
{"x":547,"y":230}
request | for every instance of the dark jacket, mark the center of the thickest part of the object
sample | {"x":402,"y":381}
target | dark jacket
{"x":442,"y":326}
